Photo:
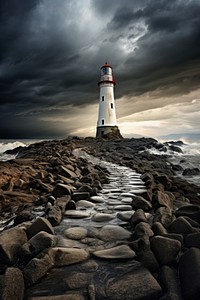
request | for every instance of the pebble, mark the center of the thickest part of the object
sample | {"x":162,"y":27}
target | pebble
{"x":113,"y":232}
{"x":101,"y":217}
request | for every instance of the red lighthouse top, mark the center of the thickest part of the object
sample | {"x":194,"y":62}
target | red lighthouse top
{"x":106,"y":65}
{"x":106,"y":74}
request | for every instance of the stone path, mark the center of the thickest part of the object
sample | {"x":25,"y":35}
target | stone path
{"x":100,"y":227}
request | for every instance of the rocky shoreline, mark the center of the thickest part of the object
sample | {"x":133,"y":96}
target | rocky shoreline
{"x":152,"y":252}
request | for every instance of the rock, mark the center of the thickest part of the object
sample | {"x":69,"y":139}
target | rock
{"x":68,"y":256}
{"x":54,"y":215}
{"x":97,"y":199}
{"x":78,"y":280}
{"x":189,"y":273}
{"x":85,"y":204}
{"x":12,"y":285}
{"x":77,"y":214}
{"x":158,"y":228}
{"x":141,"y":244}
{"x":125,"y":215}
{"x":191,"y":172}
{"x":113,"y":233}
{"x":192,"y":240}
{"x":90,"y":266}
{"x":181,"y":225}
{"x":143,"y":229}
{"x":138,"y":284}
{"x":148,"y":260}
{"x":139,"y":202}
{"x":102,"y":217}
{"x":123,"y":207}
{"x":67,"y":173}
{"x":38,"y":267}
{"x":192,"y":211}
{"x":163,"y":199}
{"x":61,"y":190}
{"x":23,"y":216}
{"x":138,"y":216}
{"x":170,"y":281}
{"x":75,"y":233}
{"x":174,"y":236}
{"x":62,"y":202}
{"x":11,"y":241}
{"x":164,"y":179}
{"x":80,"y":196}
{"x":119,"y":252}
{"x":40,"y":224}
{"x":71,"y":205}
{"x":165,"y":249}
{"x":163,"y":215}
{"x":41,"y":241}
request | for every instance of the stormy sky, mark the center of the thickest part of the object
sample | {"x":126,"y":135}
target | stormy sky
{"x":51,"y":52}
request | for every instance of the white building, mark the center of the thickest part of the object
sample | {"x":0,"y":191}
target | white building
{"x":107,"y":116}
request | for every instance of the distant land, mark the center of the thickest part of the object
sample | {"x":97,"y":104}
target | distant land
{"x":187,"y":137}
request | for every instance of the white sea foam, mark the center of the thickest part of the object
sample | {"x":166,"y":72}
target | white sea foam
{"x":12,"y":144}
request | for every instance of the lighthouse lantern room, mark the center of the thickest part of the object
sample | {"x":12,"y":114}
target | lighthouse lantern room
{"x":107,"y":116}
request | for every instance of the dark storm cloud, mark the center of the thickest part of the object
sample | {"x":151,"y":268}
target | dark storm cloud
{"x":51,"y":51}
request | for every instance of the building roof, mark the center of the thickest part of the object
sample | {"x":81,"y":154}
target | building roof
{"x":106,"y":65}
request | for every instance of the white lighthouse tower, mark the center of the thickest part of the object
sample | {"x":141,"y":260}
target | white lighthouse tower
{"x":107,"y":116}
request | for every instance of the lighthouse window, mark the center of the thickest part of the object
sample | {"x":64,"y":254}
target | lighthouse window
{"x":102,"y":121}
{"x":111,"y":105}
{"x":102,"y":98}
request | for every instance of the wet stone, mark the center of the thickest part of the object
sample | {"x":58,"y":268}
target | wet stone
{"x":75,"y":233}
{"x":113,"y":232}
{"x":119,"y":252}
{"x":101,"y":217}
{"x":76,"y":214}
{"x":123,"y":207}
{"x":85,"y":203}
{"x":97,"y":199}
{"x":126,"y":215}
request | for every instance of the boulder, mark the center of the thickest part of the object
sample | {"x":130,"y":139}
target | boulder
{"x":138,"y":216}
{"x":62,"y":202}
{"x":75,"y":233}
{"x":54,"y":215}
{"x":41,"y":241}
{"x":148,"y":260}
{"x":66,"y":172}
{"x":40,"y":224}
{"x":170,"y":282}
{"x":191,"y":172}
{"x":138,"y":284}
{"x":62,"y":190}
{"x":165,"y":249}
{"x":164,"y":179}
{"x":164,"y":216}
{"x":192,"y":240}
{"x":143,"y":229}
{"x":189,"y":273}
{"x":125,"y":215}
{"x":68,"y":256}
{"x":181,"y":225}
{"x":158,"y":228}
{"x":12,"y":285}
{"x":163,"y":199}
{"x":118,"y":252}
{"x":80,"y":196}
{"x":11,"y":241}
{"x":38,"y":267}
{"x":102,"y":217}
{"x":140,"y":202}
{"x":113,"y":233}
{"x":67,"y":296}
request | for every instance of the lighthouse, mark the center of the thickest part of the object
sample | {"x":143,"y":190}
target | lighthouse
{"x":107,"y":116}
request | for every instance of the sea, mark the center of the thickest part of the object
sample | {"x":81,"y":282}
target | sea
{"x":189,"y":158}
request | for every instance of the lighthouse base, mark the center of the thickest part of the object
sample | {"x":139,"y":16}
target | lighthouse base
{"x":111,"y":132}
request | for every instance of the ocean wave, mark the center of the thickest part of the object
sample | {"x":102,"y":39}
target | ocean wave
{"x":11,"y":145}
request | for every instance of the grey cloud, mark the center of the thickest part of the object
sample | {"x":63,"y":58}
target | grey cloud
{"x":51,"y":54}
